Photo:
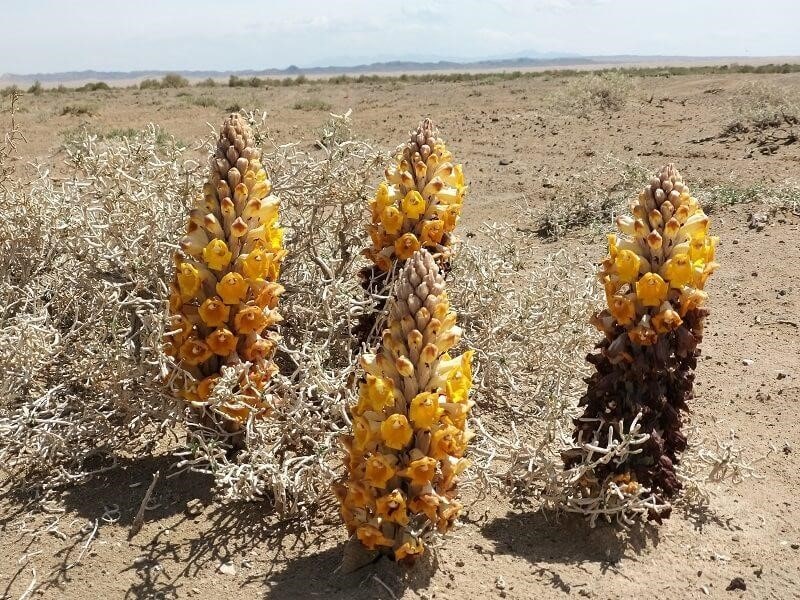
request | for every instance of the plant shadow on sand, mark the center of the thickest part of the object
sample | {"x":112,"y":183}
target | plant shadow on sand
{"x":345,"y":572}
{"x":547,"y":539}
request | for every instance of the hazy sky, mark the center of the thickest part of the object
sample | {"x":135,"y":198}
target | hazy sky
{"x":122,"y":35}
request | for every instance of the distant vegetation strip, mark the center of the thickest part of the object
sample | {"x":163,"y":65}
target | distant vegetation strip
{"x":178,"y":81}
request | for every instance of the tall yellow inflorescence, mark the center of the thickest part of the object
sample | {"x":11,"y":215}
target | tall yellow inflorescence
{"x":656,"y":269}
{"x":418,"y":203}
{"x":225,"y":293}
{"x":653,"y":323}
{"x":409,"y":431}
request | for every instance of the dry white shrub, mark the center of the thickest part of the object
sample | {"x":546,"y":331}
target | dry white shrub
{"x":82,"y":266}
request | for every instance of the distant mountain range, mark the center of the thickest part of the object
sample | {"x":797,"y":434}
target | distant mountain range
{"x":397,"y":66}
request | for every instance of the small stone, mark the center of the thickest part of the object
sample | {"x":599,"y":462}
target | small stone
{"x":736,"y":241}
{"x":227,"y":569}
{"x":747,"y":362}
{"x":139,"y":561}
{"x":500,"y":583}
{"x":737,"y":583}
{"x":795,"y":546}
{"x":546,"y":183}
{"x":194,"y":508}
{"x":782,"y":375}
{"x":505,"y":161}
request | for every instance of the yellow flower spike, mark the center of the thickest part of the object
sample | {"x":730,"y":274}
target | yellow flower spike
{"x":250,"y":320}
{"x":221,"y":341}
{"x":679,"y":271}
{"x":651,"y":289}
{"x":396,"y":432}
{"x":372,"y":537}
{"x":420,"y":471}
{"x":432,"y":232}
{"x":188,"y":281}
{"x":413,"y":205}
{"x":235,"y":216}
{"x":232,"y":288}
{"x":627,"y":264}
{"x":409,"y":429}
{"x":379,"y":470}
{"x":392,"y":507}
{"x":425,"y":410}
{"x":644,"y":364}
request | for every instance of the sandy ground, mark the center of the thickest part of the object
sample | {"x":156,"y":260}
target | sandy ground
{"x":747,"y":381}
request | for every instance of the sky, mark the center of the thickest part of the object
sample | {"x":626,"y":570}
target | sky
{"x":43,"y":36}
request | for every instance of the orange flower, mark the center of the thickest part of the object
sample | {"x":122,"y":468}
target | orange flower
{"x":379,"y":471}
{"x":666,"y":321}
{"x":392,"y":507}
{"x":420,"y":471}
{"x":627,"y":263}
{"x":413,"y":205}
{"x":679,"y":271}
{"x":622,"y":309}
{"x":257,"y":264}
{"x":232,"y":288}
{"x":432,"y":232}
{"x":206,"y":386}
{"x":222,"y":342}
{"x":250,"y":320}
{"x":427,"y":504}
{"x":406,"y":245}
{"x":425,"y":410}
{"x":194,"y":351}
{"x":188,"y":281}
{"x":409,"y":550}
{"x":214,"y":312}
{"x":371,"y":536}
{"x":651,"y":289}
{"x":217,"y":255}
{"x":396,"y":431}
{"x":447,"y":441}
{"x":392,"y":220}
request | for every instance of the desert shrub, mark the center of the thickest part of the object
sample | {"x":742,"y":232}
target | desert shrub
{"x":310,"y":104}
{"x":149,"y":84}
{"x":584,"y":201}
{"x":81,"y":290}
{"x":208,"y":82}
{"x":605,"y":92}
{"x":95,"y":86}
{"x":761,"y":106}
{"x":36,"y":89}
{"x":205,"y":101}
{"x":78,"y":110}
{"x":173,"y":80}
